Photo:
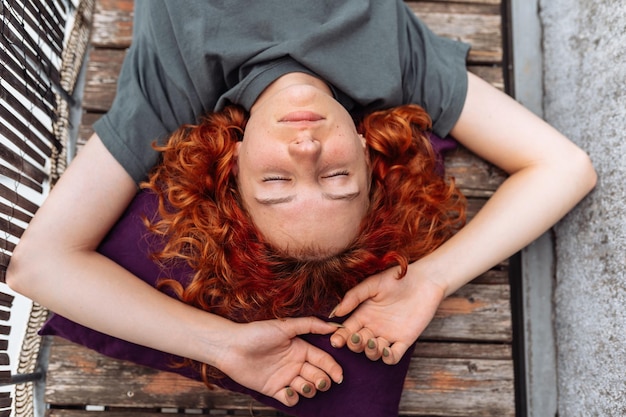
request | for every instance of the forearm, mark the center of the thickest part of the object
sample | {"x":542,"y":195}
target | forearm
{"x":90,"y":289}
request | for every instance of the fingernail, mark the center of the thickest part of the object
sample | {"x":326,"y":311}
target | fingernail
{"x":332,"y":313}
{"x":289,"y":392}
{"x":386,"y":352}
{"x":340,"y":379}
{"x":306,"y":388}
{"x":322,"y":384}
{"x":338,"y":325}
{"x":371,"y":344}
{"x":356,"y":339}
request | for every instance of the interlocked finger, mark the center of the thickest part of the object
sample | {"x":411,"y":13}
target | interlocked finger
{"x":303,"y":387}
{"x":375,"y":348}
{"x":358,"y":342}
{"x":319,"y":379}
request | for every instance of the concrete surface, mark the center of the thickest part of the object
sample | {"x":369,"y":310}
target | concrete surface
{"x":585,"y":98}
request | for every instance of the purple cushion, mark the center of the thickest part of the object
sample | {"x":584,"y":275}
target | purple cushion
{"x":369,"y":388}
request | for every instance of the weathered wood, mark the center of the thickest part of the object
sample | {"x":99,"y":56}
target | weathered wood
{"x":480,"y":26}
{"x":474,"y":176}
{"x":440,"y":374}
{"x":132,"y":412}
{"x":80,"y":376}
{"x":450,"y":350}
{"x":103,"y":71}
{"x":112,"y":24}
{"x":496,"y":275}
{"x":459,"y":387}
{"x":476,"y":312}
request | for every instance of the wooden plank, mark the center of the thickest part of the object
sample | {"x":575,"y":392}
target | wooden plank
{"x":459,"y":387}
{"x":80,"y":376}
{"x":166,"y":412}
{"x":103,"y":70}
{"x":474,"y":176}
{"x":478,"y":25}
{"x":449,"y":350}
{"x":85,"y":129}
{"x":112,"y":24}
{"x":439,"y":379}
{"x":476,"y":312}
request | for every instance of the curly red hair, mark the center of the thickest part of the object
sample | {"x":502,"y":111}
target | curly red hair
{"x":239,"y":275}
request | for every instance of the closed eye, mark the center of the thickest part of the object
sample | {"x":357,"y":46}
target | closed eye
{"x":275,"y":178}
{"x":337,"y":174}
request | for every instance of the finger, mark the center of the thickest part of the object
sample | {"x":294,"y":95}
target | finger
{"x":287,"y":396}
{"x":306,"y":325}
{"x":342,"y":335}
{"x":374,"y":348}
{"x":320,"y":380}
{"x":358,"y":340}
{"x":354,"y":297}
{"x":324,"y":362}
{"x":303,"y":387}
{"x":393,"y":353}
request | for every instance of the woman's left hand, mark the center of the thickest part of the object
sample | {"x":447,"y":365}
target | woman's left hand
{"x":389,"y":313}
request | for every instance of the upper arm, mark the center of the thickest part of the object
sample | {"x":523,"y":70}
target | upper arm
{"x":82,"y":207}
{"x":502,"y":131}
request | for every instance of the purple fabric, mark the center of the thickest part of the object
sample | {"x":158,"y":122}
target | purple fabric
{"x":441,"y":146}
{"x":369,"y":389}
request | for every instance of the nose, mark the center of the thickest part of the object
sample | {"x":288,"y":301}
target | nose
{"x":305,"y":146}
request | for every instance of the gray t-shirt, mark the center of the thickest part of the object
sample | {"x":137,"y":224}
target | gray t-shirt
{"x":191,"y":57}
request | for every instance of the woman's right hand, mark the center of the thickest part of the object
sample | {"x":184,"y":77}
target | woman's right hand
{"x":269,"y":357}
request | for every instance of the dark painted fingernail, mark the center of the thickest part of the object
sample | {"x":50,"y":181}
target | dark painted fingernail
{"x":290,"y":392}
{"x":356,"y":339}
{"x":371,"y":344}
{"x":322,"y":384}
{"x":306,"y":389}
{"x":386,"y":352}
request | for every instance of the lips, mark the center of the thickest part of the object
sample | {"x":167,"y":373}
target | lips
{"x":301,"y":116}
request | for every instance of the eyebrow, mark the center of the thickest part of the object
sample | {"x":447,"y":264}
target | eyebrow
{"x":281,"y":200}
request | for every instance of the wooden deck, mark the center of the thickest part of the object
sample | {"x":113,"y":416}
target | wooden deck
{"x":463,"y":365}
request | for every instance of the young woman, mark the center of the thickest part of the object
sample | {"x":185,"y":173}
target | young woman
{"x":293,"y":68}
{"x":203,"y":246}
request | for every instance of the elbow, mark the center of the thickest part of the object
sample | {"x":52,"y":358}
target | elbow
{"x":585,"y":172}
{"x":21,"y":272}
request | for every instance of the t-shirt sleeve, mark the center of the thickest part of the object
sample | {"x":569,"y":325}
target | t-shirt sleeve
{"x":434,"y":74}
{"x":154,"y":93}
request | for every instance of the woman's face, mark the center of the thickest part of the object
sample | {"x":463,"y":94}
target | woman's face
{"x":302,"y":168}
